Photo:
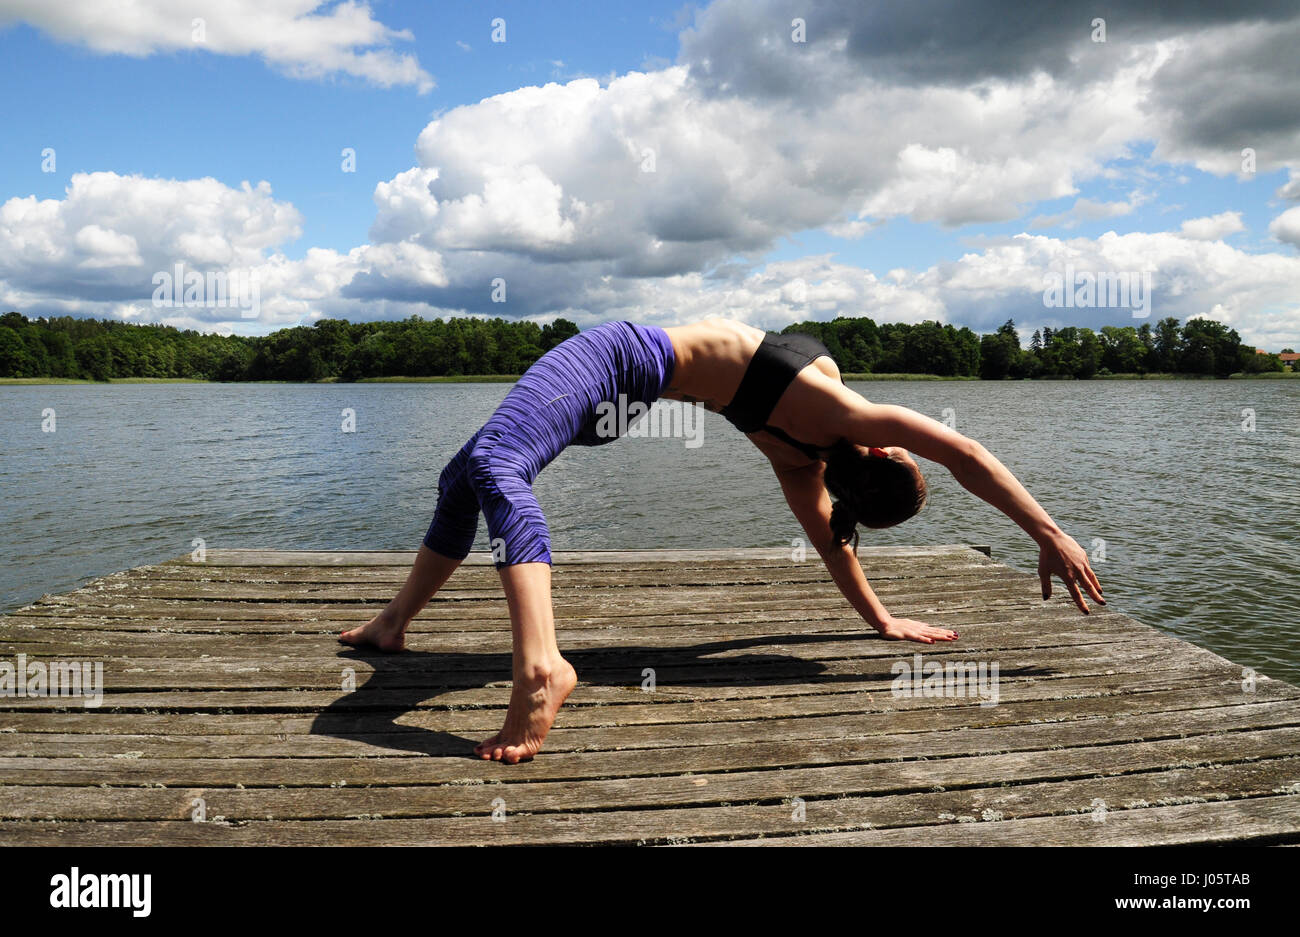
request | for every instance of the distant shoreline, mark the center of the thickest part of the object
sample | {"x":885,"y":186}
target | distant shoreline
{"x":511,"y":378}
{"x":442,"y":379}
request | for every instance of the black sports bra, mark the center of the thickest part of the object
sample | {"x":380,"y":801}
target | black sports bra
{"x":772,"y":369}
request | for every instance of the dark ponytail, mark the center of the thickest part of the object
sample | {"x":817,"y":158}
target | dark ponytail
{"x":844,"y":525}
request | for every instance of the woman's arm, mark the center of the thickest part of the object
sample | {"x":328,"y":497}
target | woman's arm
{"x":979,"y":472}
{"x":805,"y":492}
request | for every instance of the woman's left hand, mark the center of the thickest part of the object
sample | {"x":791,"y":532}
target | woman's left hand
{"x":1064,"y":558}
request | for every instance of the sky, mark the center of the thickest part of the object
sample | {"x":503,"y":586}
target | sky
{"x":768,"y":161}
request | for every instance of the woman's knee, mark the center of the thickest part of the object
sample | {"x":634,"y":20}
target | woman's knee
{"x":480,"y":471}
{"x":516,"y":525}
{"x":451,"y":474}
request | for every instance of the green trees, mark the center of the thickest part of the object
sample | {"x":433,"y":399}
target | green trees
{"x":1000,"y":352}
{"x":1251,"y":362}
{"x":330,"y":348}
{"x":89,"y":348}
{"x":1201,"y":346}
{"x":859,"y":345}
{"x":15,"y":360}
{"x":1209,"y":347}
{"x":1167,"y":345}
{"x":557,"y":332}
{"x":95,"y":358}
{"x":1069,"y":352}
{"x":1122,"y":350}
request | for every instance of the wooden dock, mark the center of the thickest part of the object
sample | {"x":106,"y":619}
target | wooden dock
{"x":230,"y":715}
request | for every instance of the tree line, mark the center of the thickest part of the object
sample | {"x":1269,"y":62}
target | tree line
{"x":1199,"y":346}
{"x":329,"y":349}
{"x":335,"y":349}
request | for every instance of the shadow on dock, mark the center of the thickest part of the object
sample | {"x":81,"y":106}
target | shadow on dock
{"x":400,"y":682}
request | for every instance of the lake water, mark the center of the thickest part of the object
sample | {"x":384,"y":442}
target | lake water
{"x":1198,"y":512}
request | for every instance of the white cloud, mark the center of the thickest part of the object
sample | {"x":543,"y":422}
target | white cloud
{"x":104,"y":248}
{"x":1253,"y":293}
{"x":1214,"y":227}
{"x":519,"y":208}
{"x":50,"y":251}
{"x":297,"y":36}
{"x":1086,"y":209}
{"x":1096,"y":211}
{"x":1051,"y":221}
{"x":1290,"y":189}
{"x":97,"y":250}
{"x":645,"y":175}
{"x":1286,"y":226}
{"x":115,"y":230}
{"x":405,"y":208}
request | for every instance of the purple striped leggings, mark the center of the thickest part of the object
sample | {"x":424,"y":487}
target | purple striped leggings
{"x":554,"y":404}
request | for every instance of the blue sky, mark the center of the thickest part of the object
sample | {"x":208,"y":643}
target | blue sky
{"x":967,"y":175}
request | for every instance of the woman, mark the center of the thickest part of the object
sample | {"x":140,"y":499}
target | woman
{"x":785,"y":393}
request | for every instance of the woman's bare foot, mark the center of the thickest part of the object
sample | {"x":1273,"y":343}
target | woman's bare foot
{"x":534,"y":701}
{"x":384,"y":632}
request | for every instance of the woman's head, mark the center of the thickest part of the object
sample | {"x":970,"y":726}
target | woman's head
{"x":872,"y":487}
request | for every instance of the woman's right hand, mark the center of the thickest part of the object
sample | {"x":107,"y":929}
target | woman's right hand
{"x":905,"y":629}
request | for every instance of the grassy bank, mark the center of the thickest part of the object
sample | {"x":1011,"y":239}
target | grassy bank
{"x":901,"y":377}
{"x":445,"y":379}
{"x":116,"y":380}
{"x":1268,"y":375}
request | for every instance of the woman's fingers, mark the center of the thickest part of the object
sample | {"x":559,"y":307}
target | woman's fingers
{"x":1072,"y":584}
{"x":1095,"y":585}
{"x":920,"y":632}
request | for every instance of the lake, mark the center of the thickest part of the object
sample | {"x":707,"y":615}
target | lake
{"x":1190,"y":488}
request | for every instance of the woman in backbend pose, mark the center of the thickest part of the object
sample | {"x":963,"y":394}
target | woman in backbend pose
{"x":785,"y":393}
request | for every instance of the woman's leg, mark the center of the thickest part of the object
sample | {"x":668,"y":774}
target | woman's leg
{"x":387,"y":630}
{"x":501,"y":475}
{"x":543,"y":679}
{"x":447,"y":543}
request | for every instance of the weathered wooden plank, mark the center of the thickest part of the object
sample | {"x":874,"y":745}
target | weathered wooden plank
{"x":1234,"y":821}
{"x":849,"y":746}
{"x":190,"y":638}
{"x":140,"y":595}
{"x":462,"y":815}
{"x":159,"y":652}
{"x":778,"y":553}
{"x":571,"y":577}
{"x":785,"y":721}
{"x":1021,"y":700}
{"x":468,"y":792}
{"x":1018,"y":593}
{"x":1148,"y":674}
{"x":610,"y":668}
